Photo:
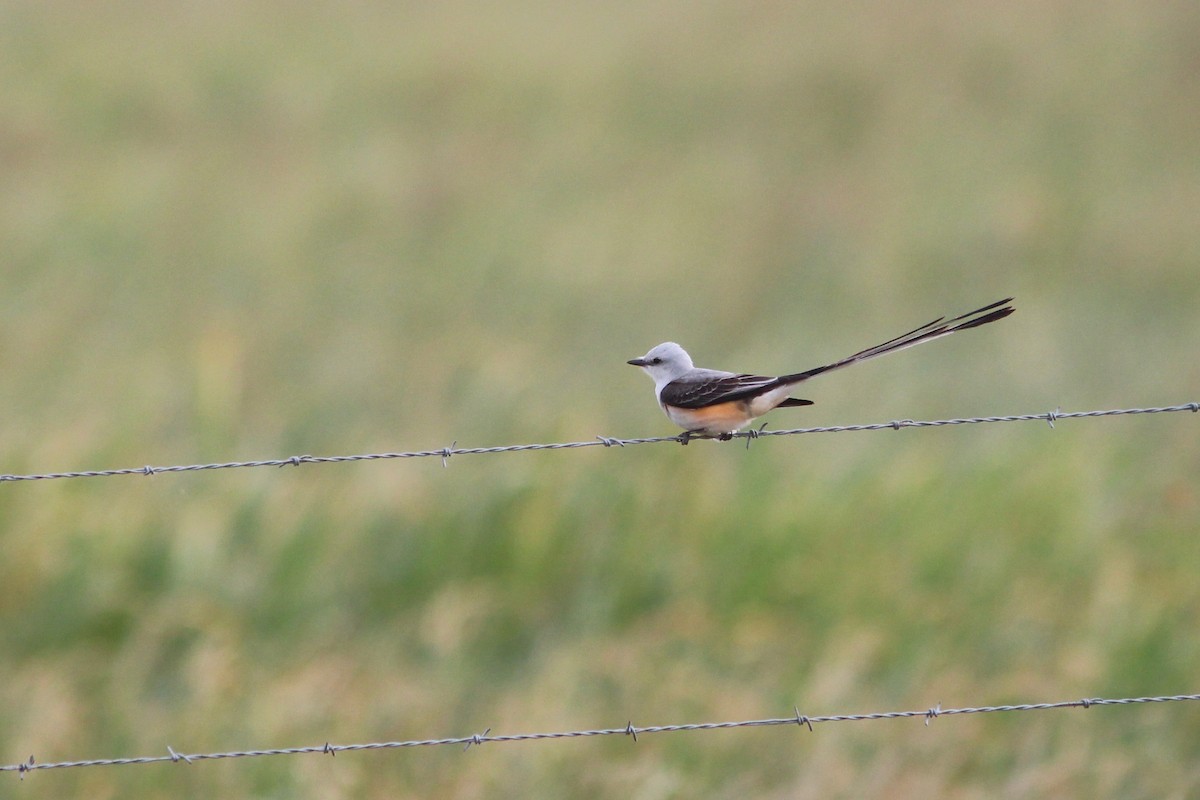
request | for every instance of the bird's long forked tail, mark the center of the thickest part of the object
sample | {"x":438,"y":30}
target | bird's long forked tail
{"x":926,"y":333}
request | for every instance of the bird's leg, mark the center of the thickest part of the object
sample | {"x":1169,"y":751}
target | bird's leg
{"x":725,"y":437}
{"x":686,"y":436}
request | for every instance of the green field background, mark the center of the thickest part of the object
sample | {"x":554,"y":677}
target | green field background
{"x":241,"y":231}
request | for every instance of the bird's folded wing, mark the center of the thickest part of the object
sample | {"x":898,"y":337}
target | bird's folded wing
{"x":703,"y":391}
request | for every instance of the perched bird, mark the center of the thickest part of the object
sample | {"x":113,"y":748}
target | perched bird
{"x":716,"y":403}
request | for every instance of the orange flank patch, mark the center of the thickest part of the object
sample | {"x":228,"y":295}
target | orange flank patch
{"x":719,"y":418}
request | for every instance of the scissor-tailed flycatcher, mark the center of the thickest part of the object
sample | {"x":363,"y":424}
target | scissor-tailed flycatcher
{"x":708,"y":401}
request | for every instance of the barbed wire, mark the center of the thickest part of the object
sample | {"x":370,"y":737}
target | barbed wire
{"x":446,"y":453}
{"x":629,"y":729}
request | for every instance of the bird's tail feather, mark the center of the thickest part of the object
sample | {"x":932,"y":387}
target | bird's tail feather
{"x":933,"y":330}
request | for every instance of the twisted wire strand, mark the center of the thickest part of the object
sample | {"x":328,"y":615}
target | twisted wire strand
{"x":445,"y":453}
{"x":629,"y":729}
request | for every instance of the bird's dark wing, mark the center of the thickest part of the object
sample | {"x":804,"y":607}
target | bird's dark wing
{"x":703,"y":391}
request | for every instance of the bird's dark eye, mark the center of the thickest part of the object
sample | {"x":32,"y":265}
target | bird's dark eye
{"x":656,"y":361}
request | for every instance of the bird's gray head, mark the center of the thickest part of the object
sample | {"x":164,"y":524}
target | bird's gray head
{"x":664,"y":363}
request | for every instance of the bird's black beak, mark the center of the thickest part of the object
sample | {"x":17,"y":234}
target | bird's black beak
{"x":637,"y":362}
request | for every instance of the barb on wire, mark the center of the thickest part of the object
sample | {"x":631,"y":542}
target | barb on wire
{"x":628,"y":729}
{"x":445,"y":453}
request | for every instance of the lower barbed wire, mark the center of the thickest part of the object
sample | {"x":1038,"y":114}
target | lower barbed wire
{"x":445,"y":453}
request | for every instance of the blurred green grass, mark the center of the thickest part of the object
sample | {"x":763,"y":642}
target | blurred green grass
{"x":237,"y":232}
